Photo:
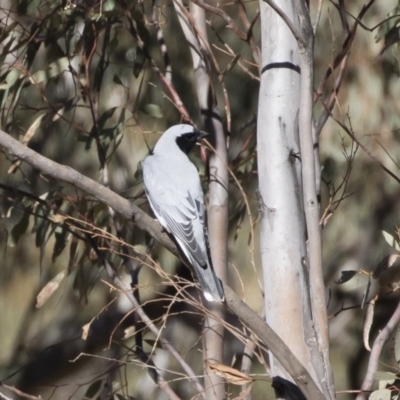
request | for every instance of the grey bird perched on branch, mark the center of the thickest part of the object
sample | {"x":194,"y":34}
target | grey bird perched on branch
{"x":172,"y":185}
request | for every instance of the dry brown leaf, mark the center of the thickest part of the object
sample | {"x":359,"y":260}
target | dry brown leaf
{"x":232,"y":375}
{"x":369,"y":317}
{"x":129,"y":332}
{"x":49,"y":289}
{"x":57,"y":218}
{"x":85,"y":330}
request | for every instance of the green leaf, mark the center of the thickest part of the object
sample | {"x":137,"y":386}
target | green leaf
{"x":93,"y":389}
{"x":346,"y":276}
{"x":20,"y":228}
{"x":60,"y":242}
{"x":42,"y":228}
{"x":105,"y":116}
{"x":117,"y":80}
{"x":10,"y":80}
{"x":154,"y":110}
{"x":389,"y":24}
{"x":54,"y":69}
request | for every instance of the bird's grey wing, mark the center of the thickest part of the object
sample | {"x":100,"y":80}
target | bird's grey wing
{"x":185,"y":222}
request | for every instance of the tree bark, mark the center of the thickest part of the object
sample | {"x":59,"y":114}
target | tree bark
{"x":283,"y":229}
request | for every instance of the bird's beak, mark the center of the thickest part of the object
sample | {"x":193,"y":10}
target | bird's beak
{"x":203,"y":134}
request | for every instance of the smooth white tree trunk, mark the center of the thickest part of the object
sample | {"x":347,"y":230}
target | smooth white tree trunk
{"x":283,"y":229}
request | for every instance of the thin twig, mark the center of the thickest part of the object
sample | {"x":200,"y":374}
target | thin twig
{"x":20,"y":393}
{"x":317,"y":17}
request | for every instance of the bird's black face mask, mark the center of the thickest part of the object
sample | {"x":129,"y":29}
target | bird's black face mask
{"x":187,"y":140}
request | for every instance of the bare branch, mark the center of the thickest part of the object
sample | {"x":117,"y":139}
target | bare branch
{"x":221,"y":13}
{"x":20,"y":393}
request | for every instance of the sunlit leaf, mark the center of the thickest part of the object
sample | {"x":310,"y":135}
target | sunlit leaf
{"x":73,"y":248}
{"x":85,"y":330}
{"x":346,"y":276}
{"x":129,"y":332}
{"x":11,"y":78}
{"x":54,"y":69}
{"x":49,"y":289}
{"x":6,"y":30}
{"x":381,"y":394}
{"x":391,"y":240}
{"x":58,"y":218}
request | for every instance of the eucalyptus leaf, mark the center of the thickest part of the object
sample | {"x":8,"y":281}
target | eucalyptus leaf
{"x":154,"y":110}
{"x":381,"y":394}
{"x":20,"y":228}
{"x":346,"y":276}
{"x":391,"y":240}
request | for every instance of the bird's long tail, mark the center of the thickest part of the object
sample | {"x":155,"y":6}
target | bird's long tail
{"x":211,"y":285}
